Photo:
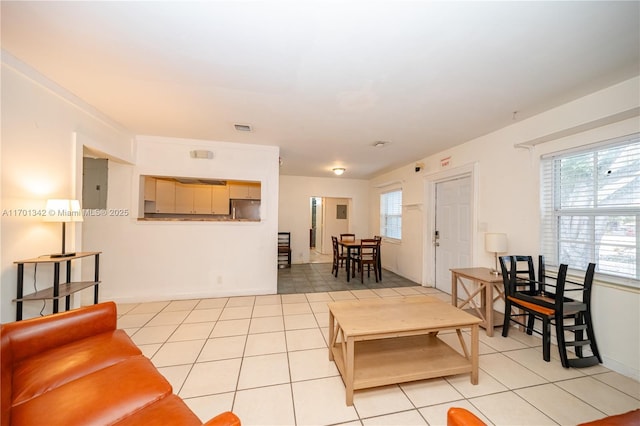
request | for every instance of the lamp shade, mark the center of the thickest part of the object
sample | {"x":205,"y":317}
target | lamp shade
{"x":59,"y":210}
{"x":495,"y":242}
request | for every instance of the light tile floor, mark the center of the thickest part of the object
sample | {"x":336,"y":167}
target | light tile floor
{"x":266,"y":359}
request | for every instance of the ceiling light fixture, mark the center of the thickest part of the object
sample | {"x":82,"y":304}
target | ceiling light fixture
{"x":338,"y":171}
{"x":379,"y":144}
{"x":242,"y":127}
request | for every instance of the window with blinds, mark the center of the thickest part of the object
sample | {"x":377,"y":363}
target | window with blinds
{"x":591,"y":208}
{"x":391,"y":214}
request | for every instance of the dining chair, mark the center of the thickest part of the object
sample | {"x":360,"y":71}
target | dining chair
{"x":378,"y":238}
{"x":367,"y":256}
{"x":338,"y":257}
{"x":345,"y":237}
{"x":549,"y":302}
{"x":524,"y":269}
{"x":284,"y":249}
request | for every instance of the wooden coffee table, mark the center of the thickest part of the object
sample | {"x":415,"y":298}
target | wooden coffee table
{"x":377,"y":342}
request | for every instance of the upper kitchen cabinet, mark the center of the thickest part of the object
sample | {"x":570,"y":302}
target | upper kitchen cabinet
{"x":165,"y":196}
{"x":193,"y":199}
{"x":219,"y":199}
{"x":149,"y":188}
{"x":244,"y":190}
{"x":202,"y":199}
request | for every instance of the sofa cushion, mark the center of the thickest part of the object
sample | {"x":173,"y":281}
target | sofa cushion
{"x":53,"y":368}
{"x":102,"y":397}
{"x":170,"y":410}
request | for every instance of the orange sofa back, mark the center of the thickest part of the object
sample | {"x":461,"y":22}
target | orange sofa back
{"x":76,"y":367}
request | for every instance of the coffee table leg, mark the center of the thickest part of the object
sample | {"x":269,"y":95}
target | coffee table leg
{"x":349,"y":371}
{"x":474,"y":353}
{"x":331,"y":335}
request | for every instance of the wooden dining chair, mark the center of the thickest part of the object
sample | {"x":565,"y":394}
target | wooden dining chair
{"x":549,"y":302}
{"x":367,"y":256}
{"x":284,"y":249}
{"x":338,"y":257}
{"x":378,"y":238}
{"x":345,"y":237}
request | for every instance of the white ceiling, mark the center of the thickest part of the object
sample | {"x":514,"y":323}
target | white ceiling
{"x":324,"y":80}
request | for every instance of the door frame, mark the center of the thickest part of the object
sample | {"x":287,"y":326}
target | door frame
{"x":431,"y":179}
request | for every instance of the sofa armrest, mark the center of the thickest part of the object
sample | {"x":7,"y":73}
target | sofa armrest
{"x":36,"y":335}
{"x":224,"y":419}
{"x":624,"y":419}
{"x":457,"y":416}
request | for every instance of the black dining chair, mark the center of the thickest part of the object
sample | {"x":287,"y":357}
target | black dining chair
{"x":540,"y":299}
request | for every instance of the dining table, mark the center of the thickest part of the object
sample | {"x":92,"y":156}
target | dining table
{"x":353,"y":246}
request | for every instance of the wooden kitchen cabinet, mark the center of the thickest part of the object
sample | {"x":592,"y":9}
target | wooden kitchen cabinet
{"x":165,"y":196}
{"x":245,"y":190}
{"x":219,"y":199}
{"x":198,"y":199}
{"x":149,"y":188}
{"x":193,"y":199}
{"x":202,"y":199}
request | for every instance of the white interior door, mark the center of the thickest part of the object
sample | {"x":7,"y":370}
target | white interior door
{"x":452,"y":236}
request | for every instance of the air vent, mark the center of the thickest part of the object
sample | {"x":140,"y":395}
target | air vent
{"x":242,"y":127}
{"x":201,"y":153}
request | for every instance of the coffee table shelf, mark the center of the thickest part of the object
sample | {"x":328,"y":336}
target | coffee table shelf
{"x":403,"y":359}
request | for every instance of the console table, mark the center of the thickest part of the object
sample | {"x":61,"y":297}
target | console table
{"x":485,"y":284}
{"x":58,"y":290}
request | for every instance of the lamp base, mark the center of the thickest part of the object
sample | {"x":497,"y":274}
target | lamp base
{"x":54,"y":255}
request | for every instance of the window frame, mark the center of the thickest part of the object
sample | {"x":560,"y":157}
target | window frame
{"x":385,"y":215}
{"x":591,"y":217}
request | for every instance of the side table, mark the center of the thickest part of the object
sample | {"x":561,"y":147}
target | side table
{"x":484,"y":284}
{"x":58,"y":290}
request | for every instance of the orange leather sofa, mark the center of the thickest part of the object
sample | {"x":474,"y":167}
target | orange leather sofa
{"x":76,"y":367}
{"x":457,"y":416}
{"x":624,"y":419}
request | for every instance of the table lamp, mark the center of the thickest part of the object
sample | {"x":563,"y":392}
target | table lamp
{"x":63,"y":211}
{"x":495,"y":243}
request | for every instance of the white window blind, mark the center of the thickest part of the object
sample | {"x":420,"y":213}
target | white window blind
{"x":391,"y":214}
{"x":591,"y":208}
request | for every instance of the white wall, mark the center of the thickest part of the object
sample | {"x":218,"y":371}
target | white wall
{"x":41,"y":124}
{"x":295,"y":207}
{"x":151,"y":260}
{"x":508,"y":201}
{"x":44,"y":129}
{"x":332,"y":225}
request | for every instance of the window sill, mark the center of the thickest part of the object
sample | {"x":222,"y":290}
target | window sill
{"x":391,"y":240}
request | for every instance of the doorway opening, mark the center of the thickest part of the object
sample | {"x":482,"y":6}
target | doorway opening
{"x":330,"y":216}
